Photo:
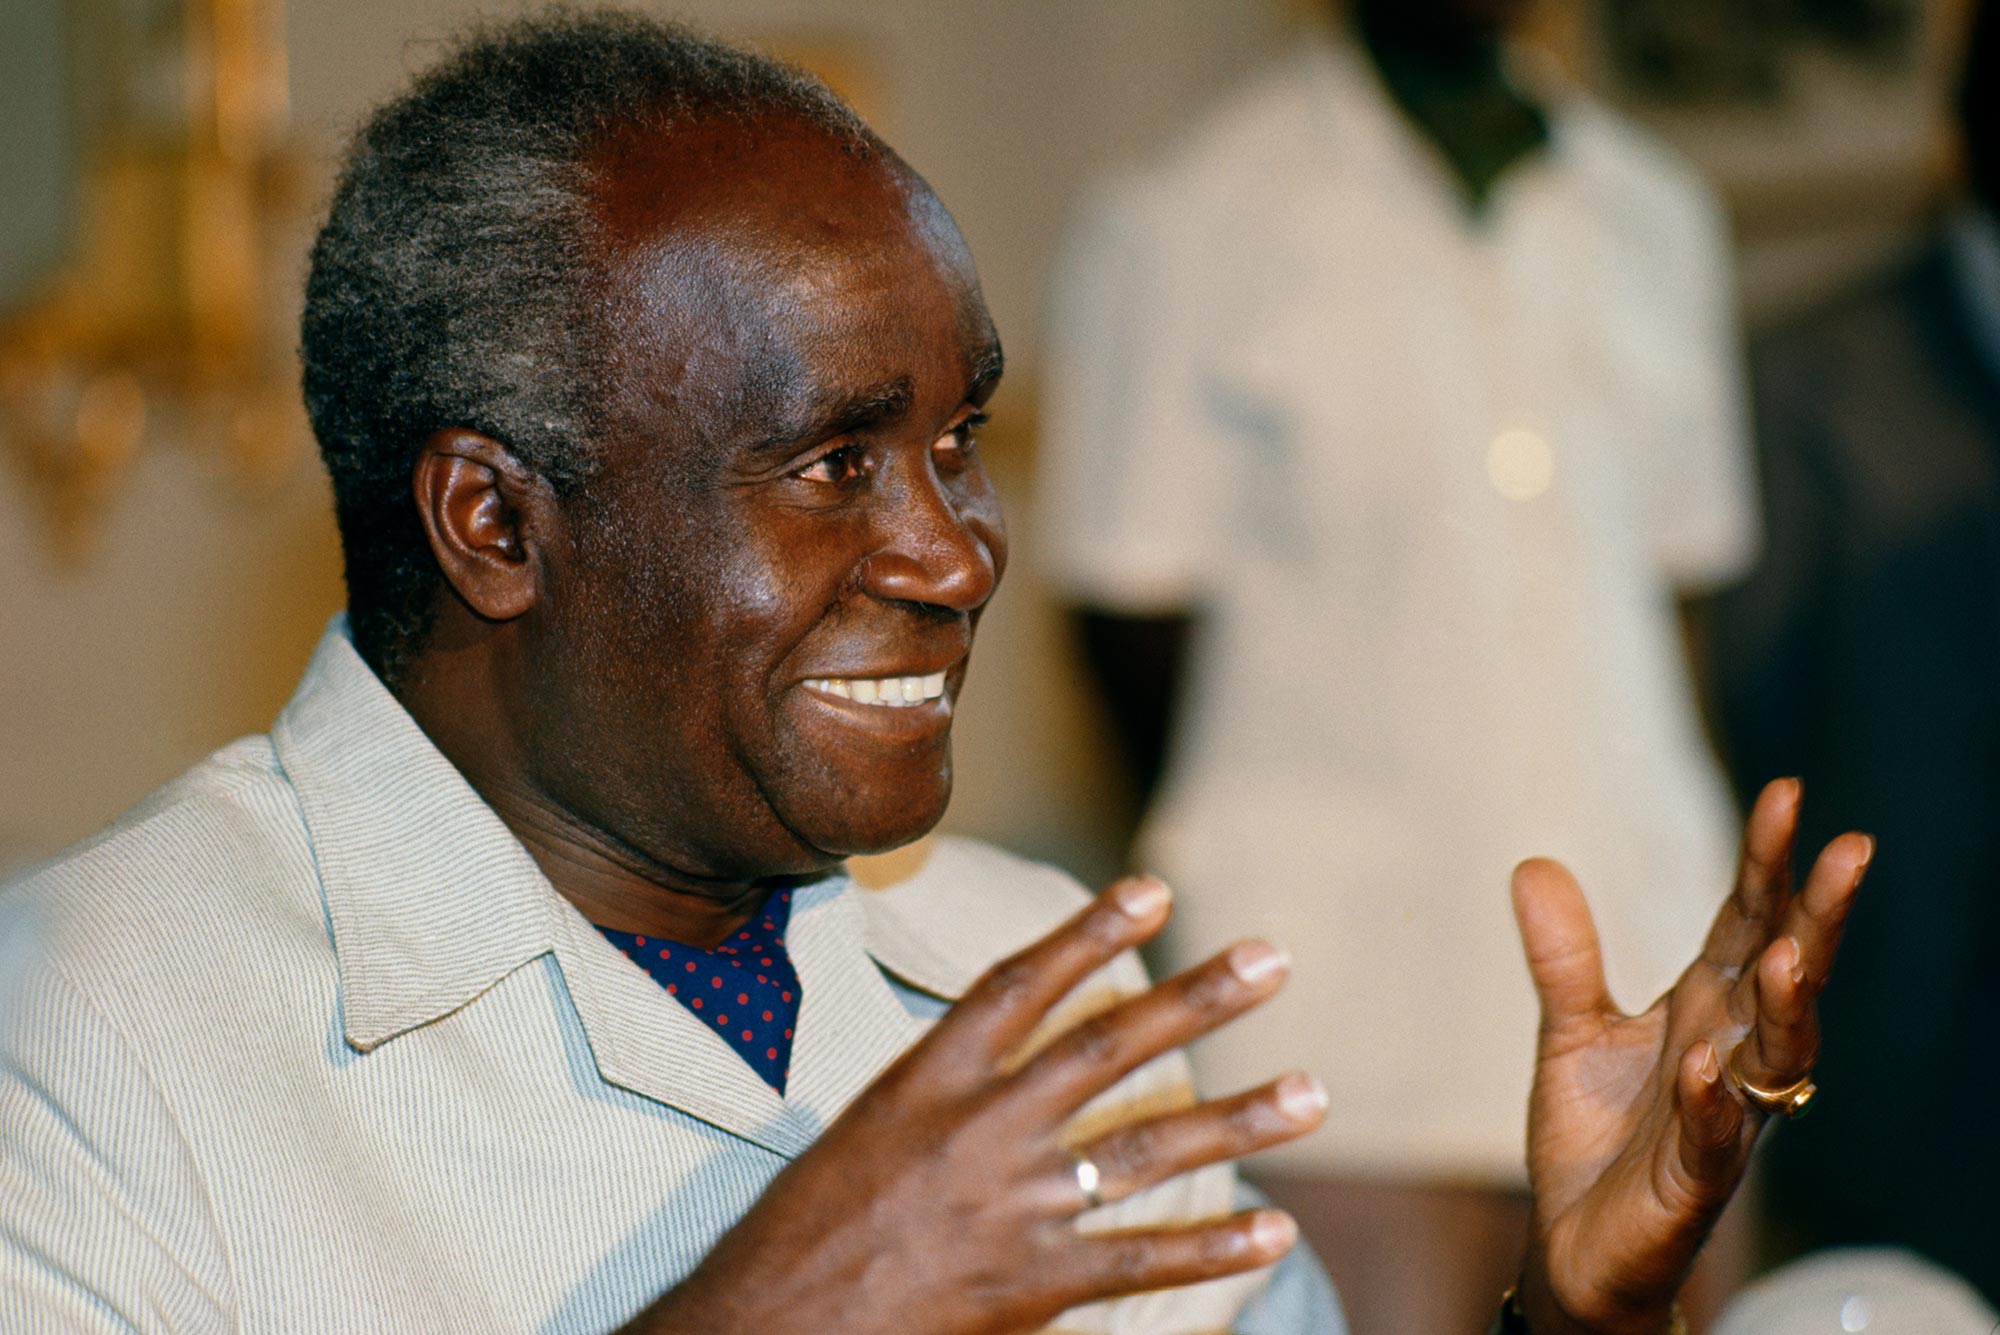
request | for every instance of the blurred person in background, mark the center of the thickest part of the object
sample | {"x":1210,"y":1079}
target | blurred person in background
{"x":1389,"y":410}
{"x":1864,"y":655}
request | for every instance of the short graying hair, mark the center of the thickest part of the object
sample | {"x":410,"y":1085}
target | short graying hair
{"x":454,"y":282}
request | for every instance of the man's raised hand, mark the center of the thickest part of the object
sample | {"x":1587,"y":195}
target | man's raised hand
{"x":1637,"y":1134}
{"x":945,"y":1200}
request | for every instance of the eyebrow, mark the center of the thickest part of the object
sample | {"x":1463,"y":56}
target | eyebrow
{"x":873,"y":405}
{"x":881,"y":403}
{"x":986,"y":369}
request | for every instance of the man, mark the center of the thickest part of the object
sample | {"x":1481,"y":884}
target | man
{"x":1389,"y":408}
{"x":1862,"y":655}
{"x":648,"y":379}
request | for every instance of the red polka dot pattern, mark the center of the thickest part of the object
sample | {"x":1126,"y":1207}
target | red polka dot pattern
{"x":763,"y":1033}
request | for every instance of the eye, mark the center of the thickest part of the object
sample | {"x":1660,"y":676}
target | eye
{"x":836,"y":467}
{"x":962,"y":441}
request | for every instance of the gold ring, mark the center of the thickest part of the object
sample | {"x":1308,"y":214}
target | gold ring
{"x":1790,"y":1101}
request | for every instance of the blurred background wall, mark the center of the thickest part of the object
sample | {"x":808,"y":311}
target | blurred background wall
{"x":167,"y":555}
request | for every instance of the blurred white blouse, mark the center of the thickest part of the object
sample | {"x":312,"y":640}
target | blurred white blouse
{"x":1431,"y":480}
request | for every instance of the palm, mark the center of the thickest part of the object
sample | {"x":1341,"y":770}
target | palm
{"x":1635,"y":1139}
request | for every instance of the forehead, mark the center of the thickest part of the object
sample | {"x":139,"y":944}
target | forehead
{"x":761,"y":257}
{"x":726,"y":171}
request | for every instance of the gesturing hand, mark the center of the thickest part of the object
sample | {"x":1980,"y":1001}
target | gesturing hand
{"x":942,"y":1200}
{"x":1637,"y":1135}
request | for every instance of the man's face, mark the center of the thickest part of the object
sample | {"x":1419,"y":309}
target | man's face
{"x":758,"y":627}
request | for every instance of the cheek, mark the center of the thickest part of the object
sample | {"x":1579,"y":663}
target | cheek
{"x":745,"y":614}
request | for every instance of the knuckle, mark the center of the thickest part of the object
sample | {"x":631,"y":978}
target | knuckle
{"x":1008,"y":983}
{"x":1711,"y":1127}
{"x":1211,"y":990}
{"x":1106,"y":928}
{"x":1130,"y":1261}
{"x":1217,"y":1246}
{"x":1094,"y":1043}
{"x":1679,"y":1192}
{"x":1136,"y":1152}
{"x":1247,"y":1120}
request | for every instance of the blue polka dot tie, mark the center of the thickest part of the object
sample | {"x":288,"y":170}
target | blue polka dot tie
{"x":745,"y":989}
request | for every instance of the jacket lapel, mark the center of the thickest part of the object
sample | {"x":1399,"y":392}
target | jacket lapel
{"x":851,"y":1025}
{"x":645,"y":1041}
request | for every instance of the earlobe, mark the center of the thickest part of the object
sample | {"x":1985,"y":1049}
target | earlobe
{"x":482,"y":512}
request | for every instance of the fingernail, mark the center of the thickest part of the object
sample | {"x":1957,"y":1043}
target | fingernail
{"x":1788,"y":955}
{"x":1710,"y":1068}
{"x":1301,"y":1097}
{"x":1257,"y":961}
{"x":1273,"y":1231}
{"x":1867,"y":856}
{"x":1142,"y":897}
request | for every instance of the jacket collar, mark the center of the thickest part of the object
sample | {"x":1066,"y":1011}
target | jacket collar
{"x":430,"y":901}
{"x":429,"y":897}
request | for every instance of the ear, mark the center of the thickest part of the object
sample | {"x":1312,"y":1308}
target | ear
{"x":487,"y":518}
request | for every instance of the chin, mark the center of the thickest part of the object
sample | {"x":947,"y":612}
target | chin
{"x":867,"y":826}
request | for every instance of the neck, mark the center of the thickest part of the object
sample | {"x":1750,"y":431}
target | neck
{"x":452,"y":696}
{"x":616,"y":886}
{"x":1458,"y":94}
{"x":1463,"y":56}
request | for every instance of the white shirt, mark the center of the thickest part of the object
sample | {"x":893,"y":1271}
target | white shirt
{"x":306,"y":1042}
{"x":1430,"y":482}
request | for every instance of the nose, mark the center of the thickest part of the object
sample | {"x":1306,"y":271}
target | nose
{"x":935,"y":547}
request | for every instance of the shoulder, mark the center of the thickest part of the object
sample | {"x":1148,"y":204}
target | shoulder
{"x":952,"y":906}
{"x":1635,"y":174}
{"x":1255,"y":138}
{"x":943,"y":912}
{"x":1264,"y":122}
{"x":146,"y":903}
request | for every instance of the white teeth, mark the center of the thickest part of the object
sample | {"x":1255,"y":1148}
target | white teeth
{"x":894,"y":692}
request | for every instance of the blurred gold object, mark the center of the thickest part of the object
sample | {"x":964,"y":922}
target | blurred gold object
{"x":166,"y":320}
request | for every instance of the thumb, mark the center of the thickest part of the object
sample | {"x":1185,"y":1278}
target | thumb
{"x":1560,"y":941}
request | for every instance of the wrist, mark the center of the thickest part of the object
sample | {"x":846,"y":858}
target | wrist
{"x":1531,"y":1307}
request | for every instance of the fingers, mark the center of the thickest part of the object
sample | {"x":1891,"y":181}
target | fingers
{"x":1136,"y":1157}
{"x":1561,"y":943}
{"x":1093,"y":1056}
{"x":1697,"y":1169}
{"x":1764,"y":871}
{"x":1795,"y":967}
{"x":1003,"y":1007}
{"x":1763,"y":878}
{"x":1104,"y":1264}
{"x":1708,"y":1151}
{"x":1786,"y":1041}
{"x":1819,"y":912}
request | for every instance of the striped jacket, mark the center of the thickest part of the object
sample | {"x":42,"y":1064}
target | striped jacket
{"x":306,"y":1041}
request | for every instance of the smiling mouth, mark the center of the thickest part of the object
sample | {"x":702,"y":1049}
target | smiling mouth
{"x":882,"y":692}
